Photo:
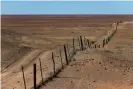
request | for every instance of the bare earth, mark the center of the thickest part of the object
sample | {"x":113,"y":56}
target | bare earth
{"x":27,"y":38}
{"x":109,"y":68}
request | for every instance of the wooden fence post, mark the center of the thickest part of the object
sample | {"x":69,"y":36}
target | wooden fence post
{"x":103,"y":42}
{"x":84,"y":42}
{"x":108,"y":39}
{"x":82,"y":48}
{"x":73,"y":47}
{"x":23,"y":76}
{"x":116,"y":25}
{"x":61,"y":58}
{"x":68,"y":51}
{"x":95,"y":45}
{"x":53,"y":62}
{"x":41,"y":69}
{"x":99,"y":45}
{"x":88,"y":43}
{"x":79,"y":43}
{"x":34,"y":75}
{"x":66,"y":55}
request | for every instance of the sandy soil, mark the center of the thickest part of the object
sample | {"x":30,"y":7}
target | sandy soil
{"x":24,"y":45}
{"x":107,"y":68}
{"x":40,"y":21}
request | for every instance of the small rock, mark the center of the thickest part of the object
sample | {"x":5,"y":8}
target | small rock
{"x":111,"y":62}
{"x":92,"y":59}
{"x":94,"y":81}
{"x":74,"y":59}
{"x":77,"y":70}
{"x":124,"y":74}
{"x":105,"y":68}
{"x":99,"y":62}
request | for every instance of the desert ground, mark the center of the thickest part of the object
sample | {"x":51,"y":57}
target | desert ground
{"x":25,"y":39}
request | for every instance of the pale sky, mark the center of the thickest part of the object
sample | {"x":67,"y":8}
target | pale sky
{"x":67,"y":7}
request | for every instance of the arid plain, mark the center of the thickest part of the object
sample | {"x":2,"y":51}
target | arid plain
{"x":24,"y":39}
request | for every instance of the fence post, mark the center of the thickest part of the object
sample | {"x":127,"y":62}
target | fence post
{"x":88,"y":43}
{"x":34,"y":75}
{"x":41,"y":69}
{"x":61,"y":58}
{"x":99,"y":45}
{"x":103,"y":42}
{"x":81,"y":43}
{"x":95,"y":45}
{"x":107,"y":39}
{"x":68,"y":51}
{"x":73,"y":47}
{"x":53,"y":62}
{"x":66,"y":55}
{"x":116,"y":25}
{"x":84,"y":43}
{"x":23,"y":76}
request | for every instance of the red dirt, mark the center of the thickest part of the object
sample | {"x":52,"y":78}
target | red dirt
{"x":62,"y":20}
{"x":43,"y":33}
{"x":106,"y":68}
